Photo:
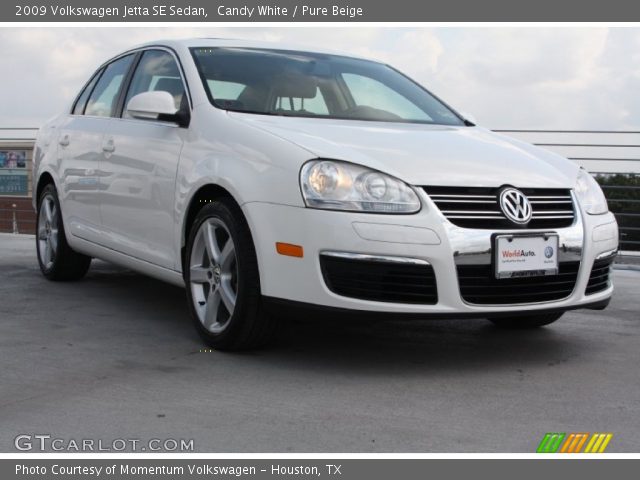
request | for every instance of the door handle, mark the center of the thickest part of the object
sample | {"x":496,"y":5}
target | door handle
{"x":109,"y":146}
{"x":64,"y":141}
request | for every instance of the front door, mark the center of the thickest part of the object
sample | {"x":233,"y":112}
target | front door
{"x":139,"y":167}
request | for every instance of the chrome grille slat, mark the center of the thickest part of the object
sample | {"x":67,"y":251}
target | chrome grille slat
{"x":551,"y":212}
{"x":477,"y":207}
{"x":552,"y":216}
{"x":465,"y":212}
{"x":463,"y":196}
{"x":543,"y":197}
{"x":459,"y":200}
{"x":483,"y":217}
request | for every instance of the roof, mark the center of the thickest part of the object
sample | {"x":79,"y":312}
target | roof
{"x":245,"y":43}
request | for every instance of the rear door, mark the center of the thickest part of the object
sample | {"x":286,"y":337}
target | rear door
{"x":139,"y":167}
{"x":80,"y":149}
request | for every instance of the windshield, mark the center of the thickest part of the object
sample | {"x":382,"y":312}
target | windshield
{"x":302,"y":84}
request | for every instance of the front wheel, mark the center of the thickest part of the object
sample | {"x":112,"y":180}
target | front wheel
{"x":58,"y":261}
{"x":222,"y":279}
{"x":526,"y":321}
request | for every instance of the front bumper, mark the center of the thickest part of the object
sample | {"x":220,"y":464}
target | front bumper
{"x":426,"y":236}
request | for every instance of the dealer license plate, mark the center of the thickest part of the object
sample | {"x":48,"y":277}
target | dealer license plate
{"x":525,"y":256}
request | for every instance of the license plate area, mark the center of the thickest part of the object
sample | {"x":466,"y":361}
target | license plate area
{"x":521,"y":256}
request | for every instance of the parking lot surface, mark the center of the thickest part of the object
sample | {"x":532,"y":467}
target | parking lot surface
{"x":114,"y":356}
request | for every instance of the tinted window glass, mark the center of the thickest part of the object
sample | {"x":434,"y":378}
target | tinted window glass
{"x":102,"y":101}
{"x":315,"y":104}
{"x":78,"y":108}
{"x":226,"y":90}
{"x":304,"y":84}
{"x":369,"y":93}
{"x":157,"y":71}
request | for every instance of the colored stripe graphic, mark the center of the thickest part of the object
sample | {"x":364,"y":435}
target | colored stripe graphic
{"x":568,"y":443}
{"x":550,"y":443}
{"x":574,"y":443}
{"x":598,"y":443}
{"x":581,"y":443}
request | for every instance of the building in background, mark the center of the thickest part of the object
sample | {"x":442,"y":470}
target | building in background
{"x":16,"y":154}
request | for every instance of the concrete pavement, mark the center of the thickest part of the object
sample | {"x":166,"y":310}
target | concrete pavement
{"x":114,"y":356}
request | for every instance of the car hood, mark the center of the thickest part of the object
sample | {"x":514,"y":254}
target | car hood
{"x":424,"y":154}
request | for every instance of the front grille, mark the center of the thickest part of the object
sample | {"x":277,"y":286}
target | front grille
{"x":479,"y":285}
{"x":380,"y":281}
{"x":599,"y":277}
{"x":478,"y":207}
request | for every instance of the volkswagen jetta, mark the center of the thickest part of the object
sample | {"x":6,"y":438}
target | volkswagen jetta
{"x":261,"y":177}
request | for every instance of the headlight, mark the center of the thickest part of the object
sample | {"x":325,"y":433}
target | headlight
{"x":590,"y":194}
{"x":335,"y":185}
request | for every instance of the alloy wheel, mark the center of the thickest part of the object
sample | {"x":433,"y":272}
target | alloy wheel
{"x":48,"y":231}
{"x":213,"y":275}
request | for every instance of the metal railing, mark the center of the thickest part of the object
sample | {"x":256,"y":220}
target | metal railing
{"x":17,"y":220}
{"x":624,"y":202}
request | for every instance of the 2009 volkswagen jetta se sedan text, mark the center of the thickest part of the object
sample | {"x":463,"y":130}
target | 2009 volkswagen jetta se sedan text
{"x":262,"y":177}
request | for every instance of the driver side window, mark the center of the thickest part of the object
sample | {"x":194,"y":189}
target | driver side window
{"x":157,"y":71}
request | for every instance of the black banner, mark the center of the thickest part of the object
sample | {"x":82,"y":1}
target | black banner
{"x":365,"y":469}
{"x":318,"y":11}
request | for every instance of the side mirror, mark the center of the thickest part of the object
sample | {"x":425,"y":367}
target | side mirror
{"x":469,"y":119}
{"x":151,"y":105}
{"x":157,"y":105}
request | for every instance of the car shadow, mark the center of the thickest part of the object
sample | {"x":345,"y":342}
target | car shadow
{"x":343,"y":345}
{"x":420,"y":345}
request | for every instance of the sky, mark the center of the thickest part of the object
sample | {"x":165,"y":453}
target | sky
{"x":568,"y":78}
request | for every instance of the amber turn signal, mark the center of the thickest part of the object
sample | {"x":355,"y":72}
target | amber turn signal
{"x":289,"y":249}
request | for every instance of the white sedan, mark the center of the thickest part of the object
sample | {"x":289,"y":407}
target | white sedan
{"x":264,"y":178}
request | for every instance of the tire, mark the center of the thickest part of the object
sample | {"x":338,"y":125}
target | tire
{"x":57,"y":260}
{"x":527,"y":321}
{"x":223,"y":282}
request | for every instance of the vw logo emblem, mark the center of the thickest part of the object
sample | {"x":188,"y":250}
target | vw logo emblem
{"x":515,"y":206}
{"x":548,"y":252}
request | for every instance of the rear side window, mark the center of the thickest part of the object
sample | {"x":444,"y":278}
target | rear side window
{"x":78,"y":108}
{"x":157,"y":71}
{"x":104,"y":96}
